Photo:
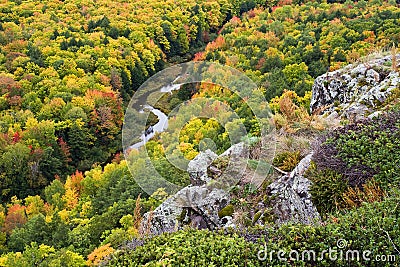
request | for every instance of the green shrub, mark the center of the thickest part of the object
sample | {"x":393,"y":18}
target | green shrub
{"x":287,"y":160}
{"x":327,"y":189}
{"x":373,"y":227}
{"x":352,"y":156}
{"x":190,"y":248}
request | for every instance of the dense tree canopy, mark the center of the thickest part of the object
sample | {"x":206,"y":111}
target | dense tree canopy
{"x":288,"y":46}
{"x":68,"y":69}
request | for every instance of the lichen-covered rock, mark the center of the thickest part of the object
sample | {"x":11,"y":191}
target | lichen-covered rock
{"x":197,"y":206}
{"x":202,"y":205}
{"x":207,"y":206}
{"x":163,"y":219}
{"x":355,"y":90}
{"x":375,"y":114}
{"x":239,"y":150}
{"x":290,"y":197}
{"x":230,"y":167}
{"x":197,"y":168}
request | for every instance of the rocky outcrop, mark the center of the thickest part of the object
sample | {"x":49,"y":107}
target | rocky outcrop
{"x":197,"y":168}
{"x":163,"y":219}
{"x":230,"y":167}
{"x":237,"y":151}
{"x":352,"y":92}
{"x":290,"y":196}
{"x":203,"y":205}
{"x":197,"y":206}
{"x":356,"y":90}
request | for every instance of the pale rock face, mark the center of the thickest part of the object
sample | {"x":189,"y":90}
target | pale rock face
{"x":239,"y":150}
{"x":375,"y":114}
{"x":291,"y":199}
{"x":197,"y":168}
{"x":162,"y":219}
{"x":356,"y":90}
{"x":194,"y":205}
{"x":236,"y":162}
{"x":199,"y":205}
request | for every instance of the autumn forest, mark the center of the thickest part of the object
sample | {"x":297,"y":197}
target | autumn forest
{"x":68,"y":70}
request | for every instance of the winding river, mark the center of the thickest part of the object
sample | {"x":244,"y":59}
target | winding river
{"x":162,"y":123}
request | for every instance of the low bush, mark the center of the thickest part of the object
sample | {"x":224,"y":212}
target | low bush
{"x":287,"y":160}
{"x":373,"y":227}
{"x":358,"y":153}
{"x":190,"y":248}
{"x":327,"y":189}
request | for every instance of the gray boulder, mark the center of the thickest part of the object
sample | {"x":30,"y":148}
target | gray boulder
{"x":290,"y":196}
{"x":355,"y":90}
{"x":197,"y":206}
{"x":230,"y":167}
{"x":197,"y":168}
{"x":236,"y":151}
{"x":163,"y":219}
{"x":201,"y":206}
